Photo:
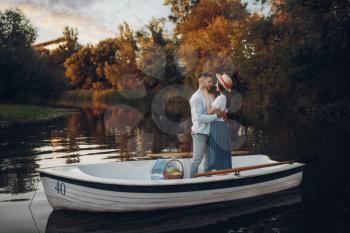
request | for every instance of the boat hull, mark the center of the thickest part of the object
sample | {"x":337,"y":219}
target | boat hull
{"x":175,"y":220}
{"x":69,"y":193}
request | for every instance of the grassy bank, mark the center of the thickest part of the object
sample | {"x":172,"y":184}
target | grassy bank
{"x":25,"y":113}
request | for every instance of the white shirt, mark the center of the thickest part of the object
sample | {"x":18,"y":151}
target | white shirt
{"x":220,"y":104}
{"x":199,"y":113}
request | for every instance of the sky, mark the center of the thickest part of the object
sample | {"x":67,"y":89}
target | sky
{"x":95,"y":19}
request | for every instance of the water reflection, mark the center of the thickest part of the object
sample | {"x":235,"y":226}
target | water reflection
{"x":121,"y":119}
{"x":83,"y":136}
{"x":179,"y":220}
{"x":18,"y":175}
{"x":109,"y":133}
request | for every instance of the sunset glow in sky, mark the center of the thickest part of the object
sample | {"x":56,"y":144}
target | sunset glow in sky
{"x":95,"y":19}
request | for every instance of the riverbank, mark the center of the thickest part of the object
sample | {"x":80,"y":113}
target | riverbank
{"x":79,"y":98}
{"x":20,"y":113}
{"x":332,"y":112}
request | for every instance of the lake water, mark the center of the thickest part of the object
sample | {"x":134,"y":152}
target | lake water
{"x":104,"y":134}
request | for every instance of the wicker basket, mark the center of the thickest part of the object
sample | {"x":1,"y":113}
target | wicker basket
{"x":168,"y":176}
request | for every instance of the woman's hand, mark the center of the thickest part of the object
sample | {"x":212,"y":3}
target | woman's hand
{"x":222,"y":115}
{"x":207,"y":98}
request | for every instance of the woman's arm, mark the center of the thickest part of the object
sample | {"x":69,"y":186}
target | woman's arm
{"x":210,"y":109}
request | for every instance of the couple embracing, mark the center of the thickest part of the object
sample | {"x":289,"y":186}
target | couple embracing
{"x":210,"y":134}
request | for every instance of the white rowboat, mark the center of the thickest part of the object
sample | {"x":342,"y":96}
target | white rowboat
{"x":175,"y":220}
{"x":127,"y":186}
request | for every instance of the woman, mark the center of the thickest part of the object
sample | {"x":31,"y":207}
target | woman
{"x":219,"y":149}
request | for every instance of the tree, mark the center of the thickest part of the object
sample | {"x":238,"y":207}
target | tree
{"x":179,"y":10}
{"x":125,"y":57}
{"x":211,"y":36}
{"x":104,"y":54}
{"x":301,"y":52}
{"x":16,"y":30}
{"x":102,"y":66}
{"x":71,"y":36}
{"x":59,"y":55}
{"x":25,"y":76}
{"x":156,"y":55}
{"x":80,"y":69}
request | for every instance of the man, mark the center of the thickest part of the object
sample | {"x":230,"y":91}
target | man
{"x":201,"y":123}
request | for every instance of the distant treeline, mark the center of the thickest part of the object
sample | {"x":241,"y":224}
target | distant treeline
{"x":294,"y":55}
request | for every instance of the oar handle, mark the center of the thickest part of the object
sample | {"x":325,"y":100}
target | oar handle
{"x":239,"y":169}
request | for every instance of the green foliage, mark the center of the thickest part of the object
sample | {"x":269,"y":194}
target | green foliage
{"x":25,"y":76}
{"x":104,"y":54}
{"x":24,"y":113}
{"x":296,"y":56}
{"x":156,"y":56}
{"x":59,"y":55}
{"x":101,"y":66}
{"x":301,"y":54}
{"x":125,"y":65}
{"x":179,"y":10}
{"x":211,"y":36}
{"x":80,"y":68}
{"x":16,"y":30}
{"x":147,"y":55}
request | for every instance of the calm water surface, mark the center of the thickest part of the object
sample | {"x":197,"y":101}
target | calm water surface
{"x":321,"y":204}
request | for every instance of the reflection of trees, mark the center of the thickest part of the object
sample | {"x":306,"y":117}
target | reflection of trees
{"x":17,"y":155}
{"x":121,"y":121}
{"x":134,"y":134}
{"x":72,"y":135}
{"x":17,"y":175}
{"x":283,"y":136}
{"x":185,"y":142}
{"x":177,"y":108}
{"x":140,"y":144}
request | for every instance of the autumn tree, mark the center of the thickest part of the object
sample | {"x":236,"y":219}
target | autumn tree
{"x":210,"y":35}
{"x":103,"y":65}
{"x":104,"y":56}
{"x":125,"y":56}
{"x":179,"y":11}
{"x":301,"y":52}
{"x":156,"y":55}
{"x":59,"y":55}
{"x":80,"y":69}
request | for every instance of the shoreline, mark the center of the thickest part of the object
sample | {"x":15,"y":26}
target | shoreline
{"x":13,"y":113}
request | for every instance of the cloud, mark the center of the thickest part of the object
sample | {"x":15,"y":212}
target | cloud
{"x":52,"y":16}
{"x":59,"y":5}
{"x":72,"y":4}
{"x":95,"y":19}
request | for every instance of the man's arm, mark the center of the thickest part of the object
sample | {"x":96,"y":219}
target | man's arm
{"x":196,"y":107}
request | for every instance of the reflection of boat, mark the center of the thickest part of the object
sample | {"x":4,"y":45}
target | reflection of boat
{"x":63,"y":221}
{"x":127,"y":186}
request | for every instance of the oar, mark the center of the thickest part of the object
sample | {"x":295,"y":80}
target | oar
{"x":307,"y":160}
{"x":239,"y":169}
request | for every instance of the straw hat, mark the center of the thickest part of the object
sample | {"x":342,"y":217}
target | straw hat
{"x":225,"y":81}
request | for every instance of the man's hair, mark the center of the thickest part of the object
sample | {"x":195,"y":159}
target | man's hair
{"x":205,"y":75}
